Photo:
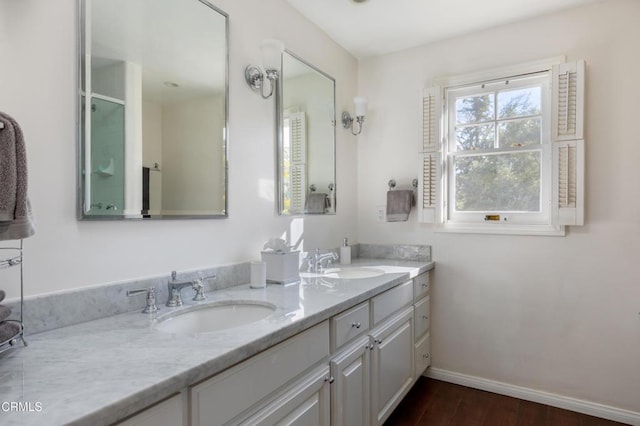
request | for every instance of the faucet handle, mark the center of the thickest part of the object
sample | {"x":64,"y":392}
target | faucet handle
{"x":199,"y":289}
{"x":151,"y":306}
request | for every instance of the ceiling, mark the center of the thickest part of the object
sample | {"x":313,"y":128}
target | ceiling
{"x":377,"y":27}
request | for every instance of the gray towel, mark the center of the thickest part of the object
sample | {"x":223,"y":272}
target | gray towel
{"x":315,"y":203}
{"x":399,"y":204}
{"x":8,"y":330}
{"x":16,"y":220}
{"x":5,"y":311}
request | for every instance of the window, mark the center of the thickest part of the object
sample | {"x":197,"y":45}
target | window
{"x":501,"y":152}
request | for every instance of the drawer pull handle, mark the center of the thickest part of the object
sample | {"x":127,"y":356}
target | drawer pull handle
{"x":356,"y":324}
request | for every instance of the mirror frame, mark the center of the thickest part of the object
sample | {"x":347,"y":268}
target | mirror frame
{"x":80,"y":84}
{"x":280,"y":137}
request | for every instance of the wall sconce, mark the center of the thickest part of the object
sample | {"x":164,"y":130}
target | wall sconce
{"x":361,"y":110}
{"x":271,"y":61}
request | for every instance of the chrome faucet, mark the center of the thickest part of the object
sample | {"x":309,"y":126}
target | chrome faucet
{"x":315,"y":260}
{"x":175,"y":298}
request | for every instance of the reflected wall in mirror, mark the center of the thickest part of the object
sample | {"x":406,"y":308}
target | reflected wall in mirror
{"x":306,"y":135}
{"x":153,"y":109}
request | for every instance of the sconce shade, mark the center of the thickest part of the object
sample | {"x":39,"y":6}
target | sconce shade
{"x":360,"y":106}
{"x":271,"y":54}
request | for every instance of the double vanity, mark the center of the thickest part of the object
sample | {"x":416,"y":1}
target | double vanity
{"x":340,"y":348}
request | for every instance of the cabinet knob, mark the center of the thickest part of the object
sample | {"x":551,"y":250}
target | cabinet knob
{"x":425,"y":317}
{"x":424,"y":285}
{"x":378,"y":341}
{"x":425,"y":356}
{"x":329,"y":379}
{"x":356,"y":324}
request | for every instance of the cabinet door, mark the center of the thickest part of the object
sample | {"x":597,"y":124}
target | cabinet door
{"x":392,"y":364}
{"x":350,"y":392}
{"x":306,"y":403}
{"x":422,"y":354}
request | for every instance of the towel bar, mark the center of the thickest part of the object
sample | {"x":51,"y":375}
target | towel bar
{"x":392,"y":183}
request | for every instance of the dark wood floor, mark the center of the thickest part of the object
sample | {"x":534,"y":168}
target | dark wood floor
{"x":434,"y":403}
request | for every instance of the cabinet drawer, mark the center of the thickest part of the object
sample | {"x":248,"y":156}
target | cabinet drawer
{"x":421,"y":285}
{"x":423,"y":354}
{"x":422,"y":316}
{"x":230,"y":393}
{"x":391,"y":301}
{"x":168,"y":412}
{"x":349,"y":325}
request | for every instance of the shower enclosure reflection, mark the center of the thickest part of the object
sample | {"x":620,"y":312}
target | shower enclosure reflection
{"x":107,"y":155}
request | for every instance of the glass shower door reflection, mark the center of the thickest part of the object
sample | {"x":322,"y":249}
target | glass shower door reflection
{"x":107,"y":174}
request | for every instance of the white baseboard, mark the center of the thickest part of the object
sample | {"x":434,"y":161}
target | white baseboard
{"x":565,"y":402}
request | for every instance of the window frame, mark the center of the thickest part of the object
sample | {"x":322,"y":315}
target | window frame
{"x":543,"y":223}
{"x":451,"y":153}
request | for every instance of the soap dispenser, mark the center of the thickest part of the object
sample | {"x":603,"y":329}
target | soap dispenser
{"x":345,"y":253}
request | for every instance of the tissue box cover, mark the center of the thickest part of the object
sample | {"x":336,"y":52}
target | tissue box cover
{"x":282,"y":267}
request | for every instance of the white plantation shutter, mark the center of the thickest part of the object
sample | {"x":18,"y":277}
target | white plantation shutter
{"x":298,"y":138}
{"x":568,"y":145}
{"x":298,"y":187}
{"x":430,"y":119}
{"x":568,"y":101}
{"x":428,"y":187}
{"x":568,"y":162}
{"x":429,"y":177}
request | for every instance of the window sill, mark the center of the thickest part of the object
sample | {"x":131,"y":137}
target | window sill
{"x":501,"y":229}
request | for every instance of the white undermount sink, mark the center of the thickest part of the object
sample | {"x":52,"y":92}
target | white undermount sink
{"x":215,"y":317}
{"x":349,"y":273}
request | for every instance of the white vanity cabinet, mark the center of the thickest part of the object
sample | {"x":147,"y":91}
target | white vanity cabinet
{"x":422,"y":312}
{"x":353,"y":369}
{"x":374,"y":372}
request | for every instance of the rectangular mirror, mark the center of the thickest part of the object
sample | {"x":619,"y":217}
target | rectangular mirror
{"x":153,"y":109}
{"x":306,"y":139}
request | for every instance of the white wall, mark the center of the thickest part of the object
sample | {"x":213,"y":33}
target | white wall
{"x":550,"y":313}
{"x":193,"y":169}
{"x":38,"y":88}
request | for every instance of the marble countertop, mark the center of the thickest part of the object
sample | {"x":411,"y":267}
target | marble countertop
{"x":102,"y":371}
